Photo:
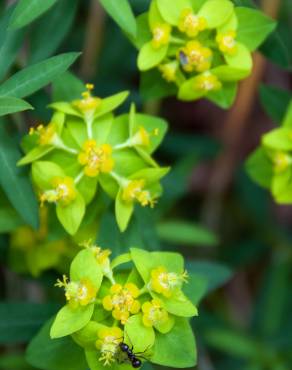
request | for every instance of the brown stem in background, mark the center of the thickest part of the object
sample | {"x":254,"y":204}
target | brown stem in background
{"x":93,"y":39}
{"x":233,"y":130}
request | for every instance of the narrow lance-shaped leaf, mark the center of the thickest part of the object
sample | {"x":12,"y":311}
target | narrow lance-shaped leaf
{"x":10,"y":105}
{"x":15,"y":181}
{"x":122,"y":13}
{"x":36,"y":76}
{"x":27,"y":11}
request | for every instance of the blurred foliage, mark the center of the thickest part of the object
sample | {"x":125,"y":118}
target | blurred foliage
{"x":241,"y":272}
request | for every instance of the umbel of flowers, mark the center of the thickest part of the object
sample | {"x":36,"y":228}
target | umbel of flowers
{"x":143,"y":307}
{"x":270,"y":165}
{"x":202,"y":47}
{"x":85,"y":147}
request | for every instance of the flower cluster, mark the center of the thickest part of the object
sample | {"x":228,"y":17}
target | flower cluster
{"x":199,"y":46}
{"x":84,"y":146}
{"x":143,"y":307}
{"x":270,"y":165}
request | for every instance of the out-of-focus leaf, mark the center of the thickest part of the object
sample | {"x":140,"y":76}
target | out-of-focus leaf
{"x":67,"y":87}
{"x":27,"y":11}
{"x":55,"y":354}
{"x":152,"y":86}
{"x":36,"y":76}
{"x":19,"y":322}
{"x":275,"y":102}
{"x":185,"y":233}
{"x":122,"y":13}
{"x":10,"y":42}
{"x":214,"y":273}
{"x":15,"y":181}
{"x":10,"y":105}
{"x":50,"y":30}
{"x":9,"y":218}
{"x":14,"y":362}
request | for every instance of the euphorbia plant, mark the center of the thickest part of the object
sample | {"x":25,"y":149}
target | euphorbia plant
{"x":85,"y":147}
{"x":142,"y":306}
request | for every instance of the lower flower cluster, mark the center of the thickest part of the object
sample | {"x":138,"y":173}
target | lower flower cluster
{"x":128,"y":310}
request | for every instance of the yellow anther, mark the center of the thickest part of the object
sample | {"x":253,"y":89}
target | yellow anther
{"x":161,"y":35}
{"x":226,"y":42}
{"x":190,"y":23}
{"x":195,"y":57}
{"x":207,"y":82}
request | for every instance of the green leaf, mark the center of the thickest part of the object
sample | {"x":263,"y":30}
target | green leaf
{"x":15,"y":181}
{"x":275,"y":102}
{"x":9,"y":218}
{"x":216,"y":12}
{"x":260,"y":168}
{"x":185,"y":233}
{"x":43,"y":172}
{"x":241,"y":59}
{"x":36,"y":76}
{"x":85,"y":266}
{"x":224,"y":97}
{"x":187,"y":92}
{"x":58,"y":354}
{"x":281,"y":187}
{"x":20,"y":321}
{"x":92,"y":357}
{"x":171,"y":10}
{"x":87,"y":188}
{"x":279,"y":139}
{"x":71,"y":215}
{"x":122,"y":13}
{"x":123,"y":211}
{"x":177,"y":348}
{"x":27,"y":11}
{"x":144,"y":34}
{"x":9,"y":105}
{"x":230,"y":73}
{"x":35,"y":154}
{"x":253,"y":27}
{"x":111,"y":103}
{"x":153,"y":86}
{"x":69,"y":320}
{"x":67,"y":87}
{"x":56,"y":26}
{"x":135,"y":330}
{"x":149,"y":57}
{"x":287,"y":123}
{"x":178,"y":304}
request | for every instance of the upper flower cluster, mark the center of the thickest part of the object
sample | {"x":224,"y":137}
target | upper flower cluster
{"x":143,"y":307}
{"x":85,"y":145}
{"x":199,"y":46}
{"x":271,"y":164}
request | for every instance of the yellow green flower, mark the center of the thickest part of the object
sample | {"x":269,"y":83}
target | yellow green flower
{"x":88,"y":103}
{"x":169,"y":70}
{"x":161,"y":35}
{"x":108,"y":344}
{"x":122,"y":301}
{"x":281,"y":161}
{"x":96,"y":159}
{"x":166,"y":283}
{"x":190,"y":23}
{"x":207,"y":82}
{"x":101,"y":256}
{"x":226,"y":42}
{"x":63,"y":191}
{"x":46,"y":134}
{"x":135,"y":190}
{"x":78,"y":293}
{"x":195,"y":57}
{"x":154,"y":313}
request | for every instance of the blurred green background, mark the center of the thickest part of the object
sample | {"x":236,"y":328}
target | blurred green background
{"x":234,"y":237}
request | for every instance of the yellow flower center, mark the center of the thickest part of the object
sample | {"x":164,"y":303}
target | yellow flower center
{"x":122,"y":302}
{"x":78,"y":293}
{"x":46,"y":135}
{"x":135,"y":191}
{"x":168,"y":71}
{"x":108,"y":344}
{"x":63,"y":191}
{"x":143,"y":137}
{"x":226,"y":42}
{"x":195,"y":57}
{"x":161,"y":35}
{"x":89,"y":103}
{"x":166,"y":283}
{"x":154,"y":313}
{"x":281,"y":162}
{"x":207,"y":82}
{"x":190,"y":23}
{"x":96,"y":159}
{"x":101,"y":256}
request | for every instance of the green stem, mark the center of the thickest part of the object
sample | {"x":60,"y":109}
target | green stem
{"x":78,"y":178}
{"x":122,"y":181}
{"x":144,"y":290}
{"x":177,"y":41}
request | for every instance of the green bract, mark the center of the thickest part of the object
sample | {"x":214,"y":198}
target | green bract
{"x":142,"y":306}
{"x":201,"y":47}
{"x":271,"y":164}
{"x":85,"y":146}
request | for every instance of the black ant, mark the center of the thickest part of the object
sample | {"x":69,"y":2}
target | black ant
{"x":135,"y":361}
